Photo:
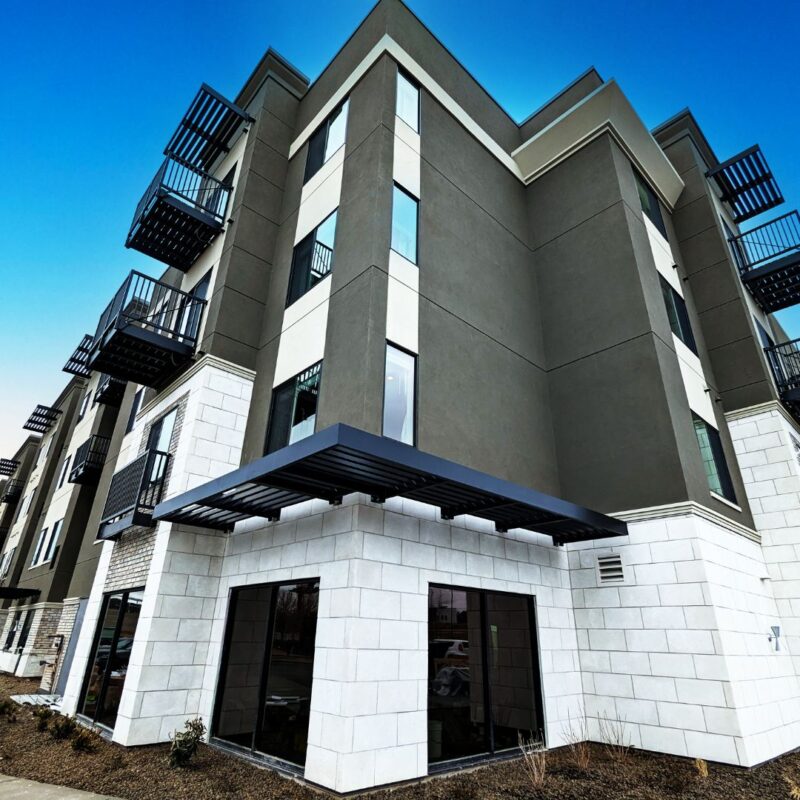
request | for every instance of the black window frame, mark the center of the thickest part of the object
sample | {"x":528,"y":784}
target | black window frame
{"x":294,"y":382}
{"x":677,"y":314}
{"x":651,"y":205}
{"x":415,"y":356}
{"x":311,"y":238}
{"x":317,"y":140}
{"x":415,"y":262}
{"x":64,"y":471}
{"x":727,"y":490}
{"x":135,"y":406}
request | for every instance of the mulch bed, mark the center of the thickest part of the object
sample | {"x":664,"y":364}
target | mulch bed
{"x":143,"y":773}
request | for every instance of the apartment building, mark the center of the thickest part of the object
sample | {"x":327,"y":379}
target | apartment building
{"x":440,"y":428}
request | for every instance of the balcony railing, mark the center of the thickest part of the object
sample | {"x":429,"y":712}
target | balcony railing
{"x":135,"y":491}
{"x":89,"y":459}
{"x":12,"y":491}
{"x":147,"y":332}
{"x":768,"y":258}
{"x":179,"y":215}
{"x":109,"y":391}
{"x":784,"y":360}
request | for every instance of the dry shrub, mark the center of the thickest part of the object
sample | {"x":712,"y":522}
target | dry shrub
{"x":184,"y":743}
{"x":534,"y":760}
{"x":63,"y":727}
{"x":576,"y":736}
{"x":701,"y":767}
{"x":42,"y":715}
{"x":615,"y":740}
{"x":86,"y":740}
{"x":794,"y":788}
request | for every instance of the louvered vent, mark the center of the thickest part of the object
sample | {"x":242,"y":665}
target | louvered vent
{"x":609,"y":569}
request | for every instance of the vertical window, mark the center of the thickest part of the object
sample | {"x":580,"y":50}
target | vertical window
{"x":26,"y":503}
{"x":26,"y":629}
{"x":64,"y":470}
{"x":12,"y":631}
{"x":405,"y":212}
{"x":40,"y":546}
{"x":87,"y":396}
{"x":45,"y":449}
{"x":191,"y":308}
{"x":50,"y":550}
{"x":159,"y":439}
{"x":312,"y":259}
{"x":717,"y":474}
{"x":678,"y":315}
{"x":650,"y":205}
{"x":326,"y":140}
{"x":5,"y":565}
{"x":264,"y":692}
{"x":137,"y":401}
{"x":294,"y":409}
{"x":407,"y":101}
{"x":766,"y":339}
{"x":482,"y":673}
{"x":399,"y":390}
{"x":105,"y":679}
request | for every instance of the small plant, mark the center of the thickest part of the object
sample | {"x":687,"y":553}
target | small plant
{"x":794,"y":788}
{"x":43,"y":714}
{"x":615,"y":739}
{"x":184,"y":743}
{"x":701,"y":767}
{"x":534,"y":760}
{"x":6,"y":707}
{"x":63,"y":727}
{"x":85,"y":740}
{"x":576,"y":737}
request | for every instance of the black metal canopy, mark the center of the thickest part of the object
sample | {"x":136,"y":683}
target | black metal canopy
{"x":8,"y":466}
{"x":42,"y":419}
{"x":340,"y":460}
{"x":747,"y":184}
{"x":206,"y":129}
{"x":77,"y":363}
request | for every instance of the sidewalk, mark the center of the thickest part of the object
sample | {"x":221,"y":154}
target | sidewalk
{"x":21,"y":789}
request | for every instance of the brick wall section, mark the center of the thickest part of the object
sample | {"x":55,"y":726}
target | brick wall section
{"x":39,"y":646}
{"x":130,"y":560}
{"x":66,"y":623}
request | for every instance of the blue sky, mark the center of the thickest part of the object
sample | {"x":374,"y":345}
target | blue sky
{"x":93,"y":90}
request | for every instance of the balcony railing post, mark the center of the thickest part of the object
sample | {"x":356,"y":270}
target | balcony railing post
{"x":767,"y":242}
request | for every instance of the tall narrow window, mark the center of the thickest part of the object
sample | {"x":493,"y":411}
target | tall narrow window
{"x":294,"y":409}
{"x":407,"y":101}
{"x":52,"y":543}
{"x":326,"y":140}
{"x":482,"y":673}
{"x":650,"y":205}
{"x":766,"y":339}
{"x":87,"y":396}
{"x":159,"y":439}
{"x":12,"y":631}
{"x":105,"y":679}
{"x":191,"y":308}
{"x":264,"y":692}
{"x":40,"y":546}
{"x":312,"y":259}
{"x":678,"y":315}
{"x":405,"y":211}
{"x":714,"y":463}
{"x":399,"y":395}
{"x":44,"y":450}
{"x":64,"y":470}
{"x":137,"y":401}
{"x":5,"y":565}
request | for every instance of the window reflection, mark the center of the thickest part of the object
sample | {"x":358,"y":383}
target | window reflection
{"x":398,"y":395}
{"x":404,"y":224}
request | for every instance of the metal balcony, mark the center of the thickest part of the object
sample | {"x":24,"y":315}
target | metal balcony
{"x":89,"y":460}
{"x":109,"y":391}
{"x":768,"y":258}
{"x":179,"y":215}
{"x":134,"y":492}
{"x":8,"y":466}
{"x":784,"y":360}
{"x":42,"y":419}
{"x":746,"y":184}
{"x":12,"y":491}
{"x":147,"y":333}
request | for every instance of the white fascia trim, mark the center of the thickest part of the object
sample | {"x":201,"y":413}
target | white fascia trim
{"x":761,"y":408}
{"x":688,"y":508}
{"x":388,"y":45}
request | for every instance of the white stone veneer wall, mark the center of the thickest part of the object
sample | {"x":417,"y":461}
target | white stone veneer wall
{"x":680,"y":652}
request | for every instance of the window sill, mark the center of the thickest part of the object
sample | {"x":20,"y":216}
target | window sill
{"x":726,"y":501}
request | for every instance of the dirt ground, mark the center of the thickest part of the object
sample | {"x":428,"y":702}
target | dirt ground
{"x":143,"y":773}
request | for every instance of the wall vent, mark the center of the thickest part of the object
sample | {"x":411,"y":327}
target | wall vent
{"x":609,"y":569}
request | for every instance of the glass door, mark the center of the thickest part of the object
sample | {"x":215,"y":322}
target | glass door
{"x":105,"y":678}
{"x":264,"y":694}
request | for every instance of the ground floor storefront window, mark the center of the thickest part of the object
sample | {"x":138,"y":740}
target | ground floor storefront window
{"x":483,"y":672}
{"x":105,"y":678}
{"x":264,"y":693}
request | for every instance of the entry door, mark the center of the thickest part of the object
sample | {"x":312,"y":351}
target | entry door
{"x":483,"y":672}
{"x":264,"y":691}
{"x":105,"y":678}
